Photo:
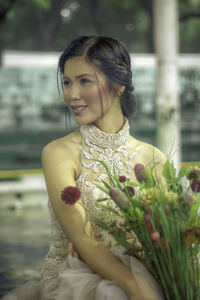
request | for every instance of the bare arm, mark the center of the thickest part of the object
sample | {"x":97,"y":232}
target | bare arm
{"x":59,"y":170}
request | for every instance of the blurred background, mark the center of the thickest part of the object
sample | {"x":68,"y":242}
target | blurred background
{"x":32,"y":35}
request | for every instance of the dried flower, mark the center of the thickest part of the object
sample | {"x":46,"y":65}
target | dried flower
{"x":147,"y":220}
{"x":149,"y":195}
{"x":70,"y":195}
{"x":119,"y":197}
{"x":122,"y":178}
{"x":164,"y":244}
{"x":131,"y":190}
{"x":171,"y":196}
{"x":195,"y":186}
{"x":140,"y":172}
{"x":165,"y":218}
{"x":194,"y":178}
{"x":190,"y":238}
{"x":194,"y":174}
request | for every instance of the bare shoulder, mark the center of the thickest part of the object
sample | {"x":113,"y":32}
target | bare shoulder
{"x":65,"y":151}
{"x":147,"y":152}
{"x":66,"y":143}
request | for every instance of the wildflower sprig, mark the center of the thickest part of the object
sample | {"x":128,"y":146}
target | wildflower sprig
{"x":164,"y":216}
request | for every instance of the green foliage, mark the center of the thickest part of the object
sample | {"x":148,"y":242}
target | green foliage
{"x":129,"y":21}
{"x":44,"y":4}
{"x":166,"y":222}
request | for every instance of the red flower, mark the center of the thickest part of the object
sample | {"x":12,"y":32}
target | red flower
{"x":140,"y":173}
{"x":70,"y":195}
{"x":122,"y":178}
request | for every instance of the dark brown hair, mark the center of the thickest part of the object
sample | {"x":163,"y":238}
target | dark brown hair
{"x":113,"y":61}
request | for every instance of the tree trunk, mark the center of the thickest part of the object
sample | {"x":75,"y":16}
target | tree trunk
{"x":47,"y":25}
{"x":167,"y":104}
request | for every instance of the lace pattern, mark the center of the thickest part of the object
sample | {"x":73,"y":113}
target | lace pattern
{"x":114,"y":149}
{"x":58,"y":249}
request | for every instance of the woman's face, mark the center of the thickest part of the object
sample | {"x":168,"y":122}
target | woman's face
{"x":84,"y":87}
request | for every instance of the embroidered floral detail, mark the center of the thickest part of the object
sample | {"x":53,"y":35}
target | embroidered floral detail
{"x":97,"y":145}
{"x":102,"y":139}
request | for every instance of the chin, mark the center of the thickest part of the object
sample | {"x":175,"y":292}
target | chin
{"x":85,"y":121}
{"x":82,"y":122}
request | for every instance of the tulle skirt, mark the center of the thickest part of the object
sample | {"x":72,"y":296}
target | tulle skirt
{"x":78,"y":282}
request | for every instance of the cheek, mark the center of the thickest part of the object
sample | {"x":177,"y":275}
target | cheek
{"x":92,"y":96}
{"x":66,"y":96}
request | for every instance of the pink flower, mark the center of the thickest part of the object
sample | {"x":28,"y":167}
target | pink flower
{"x":140,"y":173}
{"x":70,"y":195}
{"x":119,"y":197}
{"x":122,"y":178}
{"x":155,"y":236}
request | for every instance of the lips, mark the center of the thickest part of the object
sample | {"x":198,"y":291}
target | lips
{"x":78,"y":109}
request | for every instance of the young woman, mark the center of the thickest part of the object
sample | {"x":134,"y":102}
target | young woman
{"x":83,"y":261}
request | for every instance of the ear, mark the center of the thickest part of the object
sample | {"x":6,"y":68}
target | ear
{"x":118,"y":90}
{"x":121,"y":90}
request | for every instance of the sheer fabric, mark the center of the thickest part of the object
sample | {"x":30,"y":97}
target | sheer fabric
{"x":65,"y":277}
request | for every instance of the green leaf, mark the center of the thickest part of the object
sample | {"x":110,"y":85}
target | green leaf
{"x":99,"y":223}
{"x":109,"y":208}
{"x":117,"y":180}
{"x":106,"y":185}
{"x":102,"y":188}
{"x":132,"y":183}
{"x":102,"y":199}
{"x":108,"y":171}
{"x":169,"y":172}
{"x":193,"y":214}
{"x":120,"y":237}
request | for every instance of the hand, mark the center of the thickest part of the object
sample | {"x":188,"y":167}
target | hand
{"x":72,"y":252}
{"x":137,"y":296}
{"x":135,"y":292}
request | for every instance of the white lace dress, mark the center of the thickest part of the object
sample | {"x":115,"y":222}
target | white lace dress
{"x":67,"y":278}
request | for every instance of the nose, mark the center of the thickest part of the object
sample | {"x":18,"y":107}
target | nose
{"x":74,"y":93}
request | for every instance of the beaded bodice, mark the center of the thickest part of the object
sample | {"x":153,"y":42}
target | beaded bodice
{"x":115,"y":150}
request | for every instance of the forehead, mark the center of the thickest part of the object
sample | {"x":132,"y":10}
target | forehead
{"x":78,"y":65}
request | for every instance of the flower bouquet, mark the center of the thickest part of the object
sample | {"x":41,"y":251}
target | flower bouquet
{"x":165,"y":217}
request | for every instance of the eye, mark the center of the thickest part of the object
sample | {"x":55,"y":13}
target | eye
{"x":84,"y":81}
{"x":67,"y":82}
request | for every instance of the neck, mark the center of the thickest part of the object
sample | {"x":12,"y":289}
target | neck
{"x":111,"y":122}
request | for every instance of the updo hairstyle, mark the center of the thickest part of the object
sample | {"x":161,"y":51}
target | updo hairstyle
{"x":111,"y":57}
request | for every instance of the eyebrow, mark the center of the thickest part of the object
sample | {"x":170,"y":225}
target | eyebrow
{"x":79,"y":76}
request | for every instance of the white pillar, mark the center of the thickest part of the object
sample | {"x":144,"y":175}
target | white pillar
{"x":167,"y":104}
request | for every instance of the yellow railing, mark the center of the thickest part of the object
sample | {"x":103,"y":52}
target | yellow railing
{"x":190,"y":163}
{"x":18,"y":173}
